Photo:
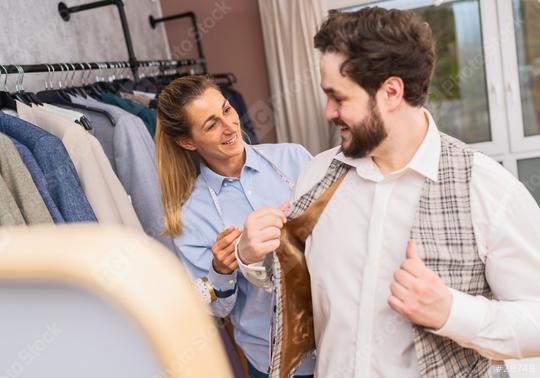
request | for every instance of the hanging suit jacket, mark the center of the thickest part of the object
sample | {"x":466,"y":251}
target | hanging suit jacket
{"x":135,"y":162}
{"x":148,"y":116}
{"x":10,"y":215}
{"x":108,"y":198}
{"x":20,"y":184}
{"x":50,"y":154}
{"x":39,"y":180}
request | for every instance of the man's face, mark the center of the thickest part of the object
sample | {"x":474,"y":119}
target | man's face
{"x":351,"y":108}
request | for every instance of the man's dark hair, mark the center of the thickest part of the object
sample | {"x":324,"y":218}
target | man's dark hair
{"x":379,"y":44}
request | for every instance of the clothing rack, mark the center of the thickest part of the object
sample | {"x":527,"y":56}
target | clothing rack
{"x":69,"y":67}
{"x":193,"y":17}
{"x":226,"y":79}
{"x":65,"y":13}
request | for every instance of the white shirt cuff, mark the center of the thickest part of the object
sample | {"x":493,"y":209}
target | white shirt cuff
{"x":255,"y":267}
{"x":466,"y":317}
{"x":256,"y":270}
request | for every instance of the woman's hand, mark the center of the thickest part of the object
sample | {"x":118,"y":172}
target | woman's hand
{"x":223,"y":249}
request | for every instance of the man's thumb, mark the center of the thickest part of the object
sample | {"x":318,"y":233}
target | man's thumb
{"x":411,"y":250}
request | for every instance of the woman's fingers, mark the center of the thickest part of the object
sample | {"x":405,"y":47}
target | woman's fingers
{"x":225,"y":232}
{"x":223,"y":253}
{"x":234,"y":265}
{"x":228,"y":239}
{"x":229,"y":260}
{"x":226,"y":251}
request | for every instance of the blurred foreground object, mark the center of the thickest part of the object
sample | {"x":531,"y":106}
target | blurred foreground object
{"x":95,"y":301}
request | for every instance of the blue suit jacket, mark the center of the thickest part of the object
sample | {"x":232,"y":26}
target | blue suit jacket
{"x":62,"y":180}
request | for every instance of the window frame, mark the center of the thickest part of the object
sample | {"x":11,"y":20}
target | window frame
{"x":499,"y":144}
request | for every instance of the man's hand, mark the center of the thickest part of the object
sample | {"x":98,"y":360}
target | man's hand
{"x":223,"y":249}
{"x":262,"y":231}
{"x":419,"y":294}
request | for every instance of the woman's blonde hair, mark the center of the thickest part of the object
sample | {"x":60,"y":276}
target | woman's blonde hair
{"x":176,"y":169}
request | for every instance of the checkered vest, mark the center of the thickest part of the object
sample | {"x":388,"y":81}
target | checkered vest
{"x":445,"y":241}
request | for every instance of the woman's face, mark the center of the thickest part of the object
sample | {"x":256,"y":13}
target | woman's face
{"x":215,"y":128}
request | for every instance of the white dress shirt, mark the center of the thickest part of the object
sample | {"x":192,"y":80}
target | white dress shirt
{"x":360,"y":241}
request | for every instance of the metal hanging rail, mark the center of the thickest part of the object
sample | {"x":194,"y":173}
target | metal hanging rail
{"x":191,"y":15}
{"x":65,"y":13}
{"x":65,"y":67}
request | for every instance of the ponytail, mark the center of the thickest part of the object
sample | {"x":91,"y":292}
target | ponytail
{"x":176,"y":173}
{"x":176,"y":169}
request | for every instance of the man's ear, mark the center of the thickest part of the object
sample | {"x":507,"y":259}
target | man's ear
{"x":393,"y":92}
{"x":186,"y":143}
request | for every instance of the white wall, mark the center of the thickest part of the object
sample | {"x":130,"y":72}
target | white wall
{"x":32,"y":31}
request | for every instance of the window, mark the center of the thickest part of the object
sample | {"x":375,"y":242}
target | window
{"x":527,"y":28}
{"x":486,"y":87}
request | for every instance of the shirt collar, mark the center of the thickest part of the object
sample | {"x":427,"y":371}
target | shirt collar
{"x":425,"y":161}
{"x":253,"y":159}
{"x":215,"y":180}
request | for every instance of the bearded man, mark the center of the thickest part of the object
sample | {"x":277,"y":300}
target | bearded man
{"x":425,"y":261}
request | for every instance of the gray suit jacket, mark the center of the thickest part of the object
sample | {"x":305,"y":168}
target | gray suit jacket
{"x":135,"y":162}
{"x":19,"y":182}
{"x":10,"y":215}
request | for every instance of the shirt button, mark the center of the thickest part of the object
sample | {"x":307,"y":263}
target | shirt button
{"x":225,"y":184}
{"x":249,"y":192}
{"x":230,"y":282}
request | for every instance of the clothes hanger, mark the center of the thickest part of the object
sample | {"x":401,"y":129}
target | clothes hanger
{"x":26,"y":98}
{"x":113,"y":81}
{"x":123,"y":78}
{"x":229,"y":78}
{"x":83,"y":121}
{"x":112,"y":78}
{"x":152,"y":76}
{"x":125,"y":74}
{"x":94,"y":87}
{"x":58,"y":97}
{"x":51,"y":96}
{"x":6,"y":101}
{"x":65,"y":90}
{"x":70,"y":89}
{"x":104,"y":85}
{"x":143,"y":80}
{"x":18,"y":95}
{"x":88,"y":88}
{"x":80,"y":88}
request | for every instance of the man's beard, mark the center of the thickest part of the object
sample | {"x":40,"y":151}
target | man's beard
{"x":366,"y":135}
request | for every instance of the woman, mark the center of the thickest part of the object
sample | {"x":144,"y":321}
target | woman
{"x":205,"y":212}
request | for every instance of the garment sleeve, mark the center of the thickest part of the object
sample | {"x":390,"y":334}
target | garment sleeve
{"x":196,"y":255}
{"x":259,"y":273}
{"x":507,"y":326}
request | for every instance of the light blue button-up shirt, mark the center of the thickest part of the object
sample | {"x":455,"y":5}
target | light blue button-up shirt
{"x":250,"y":308}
